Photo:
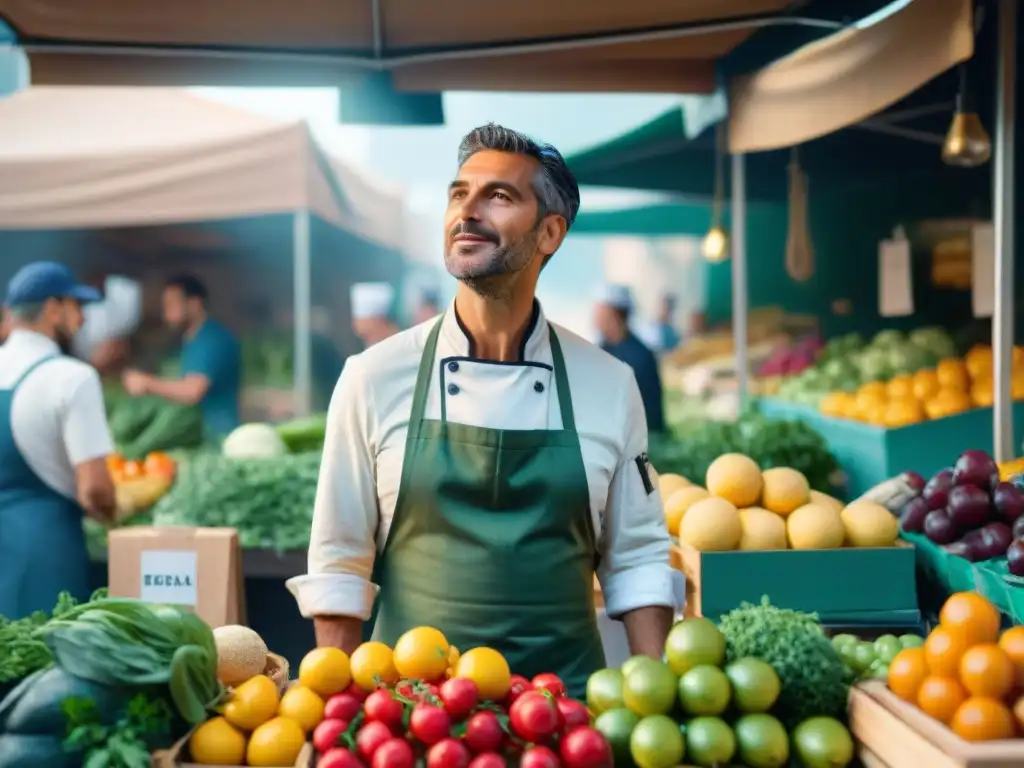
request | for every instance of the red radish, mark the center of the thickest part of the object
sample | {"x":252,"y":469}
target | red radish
{"x":488,"y":760}
{"x":343,"y":706}
{"x":448,"y":753}
{"x":429,"y":723}
{"x":382,"y":707}
{"x":586,"y":747}
{"x":534,"y":717}
{"x":574,"y":713}
{"x":549,"y":682}
{"x":394,"y":753}
{"x":338,"y":757}
{"x":539,"y":757}
{"x":325,"y":735}
{"x":517,"y":687}
{"x":370,"y":737}
{"x":459,"y":696}
{"x":483,"y":732}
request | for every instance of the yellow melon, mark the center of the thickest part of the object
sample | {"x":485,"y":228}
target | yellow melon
{"x":762,"y":529}
{"x":735,"y":478}
{"x":869,"y":524}
{"x":815,"y":526}
{"x":817,"y":497}
{"x":668,"y":484}
{"x":711,"y":525}
{"x":678,"y":504}
{"x":784,"y":489}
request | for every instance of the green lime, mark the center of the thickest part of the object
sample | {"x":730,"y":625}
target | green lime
{"x":879,"y":670}
{"x":604,"y":690}
{"x":841,"y":640}
{"x":863,"y":657}
{"x":704,"y":690}
{"x":693,"y":642}
{"x":709,"y":741}
{"x":886,"y":648}
{"x":617,"y":726}
{"x":656,"y":742}
{"x":649,"y":689}
{"x":911,"y":641}
{"x":762,"y":741}
{"x":755,"y":684}
{"x":822,"y":742}
{"x":633,"y":661}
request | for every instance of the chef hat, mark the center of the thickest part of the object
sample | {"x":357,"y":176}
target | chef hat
{"x":618,"y":296}
{"x":372,"y":300}
{"x":122,"y":298}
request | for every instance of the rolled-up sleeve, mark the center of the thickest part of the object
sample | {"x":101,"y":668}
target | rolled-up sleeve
{"x":342,"y":542}
{"x":635,"y":571}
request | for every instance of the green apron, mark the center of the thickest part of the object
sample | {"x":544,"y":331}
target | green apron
{"x":492,"y":541}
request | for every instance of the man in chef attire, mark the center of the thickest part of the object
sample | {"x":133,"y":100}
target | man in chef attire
{"x":477,"y":471}
{"x":612,"y":315}
{"x":373,"y":306}
{"x":104,"y":340}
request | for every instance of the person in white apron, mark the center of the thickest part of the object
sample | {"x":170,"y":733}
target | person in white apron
{"x":480,"y":470}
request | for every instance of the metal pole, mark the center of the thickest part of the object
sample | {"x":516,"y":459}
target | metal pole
{"x":302,"y":299}
{"x":1002,"y":221}
{"x":738,"y":238}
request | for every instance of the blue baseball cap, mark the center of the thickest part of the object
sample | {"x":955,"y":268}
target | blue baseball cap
{"x":41,"y":280}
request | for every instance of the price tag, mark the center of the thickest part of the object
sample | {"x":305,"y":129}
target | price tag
{"x":168,"y":576}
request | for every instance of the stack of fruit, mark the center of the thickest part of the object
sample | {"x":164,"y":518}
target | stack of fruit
{"x":966,"y":675}
{"x":746,"y":508}
{"x":870,"y":659}
{"x":140,"y":484}
{"x":654,"y":714}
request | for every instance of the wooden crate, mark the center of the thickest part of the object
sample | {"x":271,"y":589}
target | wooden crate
{"x":177,"y":757}
{"x":891,"y":733}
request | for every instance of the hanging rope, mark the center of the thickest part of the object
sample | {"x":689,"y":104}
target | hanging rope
{"x":799,"y":249}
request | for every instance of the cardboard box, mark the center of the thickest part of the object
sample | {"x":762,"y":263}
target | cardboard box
{"x":177,"y":757}
{"x":847,"y":587}
{"x":891,"y":733}
{"x":198,"y":568}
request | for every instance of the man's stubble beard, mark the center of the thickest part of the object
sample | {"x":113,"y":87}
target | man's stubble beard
{"x":496,"y":280}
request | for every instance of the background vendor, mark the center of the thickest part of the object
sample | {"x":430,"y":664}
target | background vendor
{"x":373,"y":312}
{"x":105,"y":338}
{"x":211,"y":361}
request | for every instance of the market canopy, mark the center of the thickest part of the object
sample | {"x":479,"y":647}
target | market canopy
{"x":103,"y":157}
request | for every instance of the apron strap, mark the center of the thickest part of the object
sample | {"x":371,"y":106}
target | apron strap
{"x":562,"y":383}
{"x":31,"y":368}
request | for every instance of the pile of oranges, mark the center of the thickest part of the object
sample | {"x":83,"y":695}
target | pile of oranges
{"x":966,"y":675}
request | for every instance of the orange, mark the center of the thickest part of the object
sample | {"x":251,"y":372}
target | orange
{"x":981,"y":719}
{"x":1012,"y":642}
{"x":276,"y":742}
{"x":926,"y":384}
{"x":971,"y":617}
{"x":302,"y":706}
{"x":160,"y":464}
{"x":421,"y":654}
{"x":952,"y":374}
{"x":986,"y":670}
{"x":901,"y":386}
{"x":1018,"y":712}
{"x":325,"y":671}
{"x":907,"y":672}
{"x":488,"y":669}
{"x":373,"y":664}
{"x":217,"y":742}
{"x":943,"y":650}
{"x":940,"y":697}
{"x":132,"y":469}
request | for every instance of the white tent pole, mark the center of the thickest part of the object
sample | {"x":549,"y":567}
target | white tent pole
{"x":303,"y":371}
{"x":1003,"y":215}
{"x":738,"y":238}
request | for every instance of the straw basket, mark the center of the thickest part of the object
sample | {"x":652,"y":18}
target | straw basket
{"x":277,"y":670}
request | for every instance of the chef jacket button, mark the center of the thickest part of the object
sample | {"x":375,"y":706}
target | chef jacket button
{"x":538,"y":387}
{"x":453,"y":366}
{"x":453,"y":389}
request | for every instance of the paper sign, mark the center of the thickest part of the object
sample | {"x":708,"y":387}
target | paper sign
{"x":895,"y":284}
{"x":983,"y":269}
{"x":168,"y":576}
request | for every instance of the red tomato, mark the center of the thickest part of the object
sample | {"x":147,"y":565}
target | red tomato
{"x":574,"y":713}
{"x":342,"y":706}
{"x":448,"y":753}
{"x":539,"y":757}
{"x":338,"y":758}
{"x":159,"y":464}
{"x":586,"y":747}
{"x":355,"y":691}
{"x":395,"y":753}
{"x":459,"y":696}
{"x":430,"y":724}
{"x":488,"y":760}
{"x":325,"y":735}
{"x":517,"y":687}
{"x":382,"y":707}
{"x":483,"y":732}
{"x":370,"y":737}
{"x":551,"y":683}
{"x":534,"y":717}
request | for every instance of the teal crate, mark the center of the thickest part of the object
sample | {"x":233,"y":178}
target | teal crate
{"x":868,"y":454}
{"x":845,"y":587}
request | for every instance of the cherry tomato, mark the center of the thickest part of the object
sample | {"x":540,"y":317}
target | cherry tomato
{"x":355,"y":691}
{"x":382,"y":707}
{"x":370,"y":737}
{"x":342,"y":706}
{"x":488,"y":760}
{"x":459,"y":696}
{"x":586,"y":747}
{"x":539,"y":757}
{"x":338,"y":758}
{"x":551,"y":683}
{"x":394,"y":753}
{"x":574,"y":713}
{"x":448,"y":753}
{"x":534,"y":717}
{"x":325,"y":735}
{"x":483,"y":732}
{"x":517,"y":687}
{"x":430,"y":724}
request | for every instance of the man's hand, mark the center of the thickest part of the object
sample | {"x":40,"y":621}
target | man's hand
{"x":342,"y":632}
{"x":136,"y":383}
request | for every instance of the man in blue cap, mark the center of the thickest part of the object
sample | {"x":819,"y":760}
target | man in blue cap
{"x":54,"y":442}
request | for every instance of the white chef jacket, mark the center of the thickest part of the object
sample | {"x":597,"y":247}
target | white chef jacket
{"x":58,"y":417}
{"x":364,"y":450}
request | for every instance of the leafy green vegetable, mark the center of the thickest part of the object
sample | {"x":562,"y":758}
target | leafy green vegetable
{"x":304,"y":434}
{"x":141,"y":425}
{"x":127,"y":743}
{"x":813,"y":675}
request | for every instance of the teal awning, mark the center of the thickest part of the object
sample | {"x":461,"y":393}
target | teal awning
{"x":663,"y":219}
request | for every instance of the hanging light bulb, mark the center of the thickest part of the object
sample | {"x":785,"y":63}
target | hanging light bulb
{"x":967,"y":143}
{"x":715,"y":246}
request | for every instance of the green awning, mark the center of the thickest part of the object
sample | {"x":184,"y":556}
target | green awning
{"x":663,"y":219}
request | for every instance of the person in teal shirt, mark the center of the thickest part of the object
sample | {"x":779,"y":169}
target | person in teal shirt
{"x":211,"y":359}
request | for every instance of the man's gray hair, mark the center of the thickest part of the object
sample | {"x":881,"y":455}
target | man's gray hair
{"x":26,"y":313}
{"x":555,"y":186}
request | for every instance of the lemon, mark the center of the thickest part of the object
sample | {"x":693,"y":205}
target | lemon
{"x":277,"y":742}
{"x":252,"y":703}
{"x":217,"y":742}
{"x":488,"y":669}
{"x":421,"y":654}
{"x":325,"y":671}
{"x":371,"y":663}
{"x":302,"y":706}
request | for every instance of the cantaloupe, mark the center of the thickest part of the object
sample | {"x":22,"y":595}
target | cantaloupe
{"x":241,"y":654}
{"x":784,"y":490}
{"x":815,"y":526}
{"x":869,"y":525}
{"x":817,"y":497}
{"x":668,"y":484}
{"x":762,"y":530}
{"x":678,"y":503}
{"x":711,"y":525}
{"x":735,"y":478}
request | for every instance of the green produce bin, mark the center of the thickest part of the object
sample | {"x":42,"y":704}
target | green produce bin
{"x":868,"y":454}
{"x":845,"y":587}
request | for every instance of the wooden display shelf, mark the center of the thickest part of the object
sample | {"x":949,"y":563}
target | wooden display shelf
{"x":891,"y":733}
